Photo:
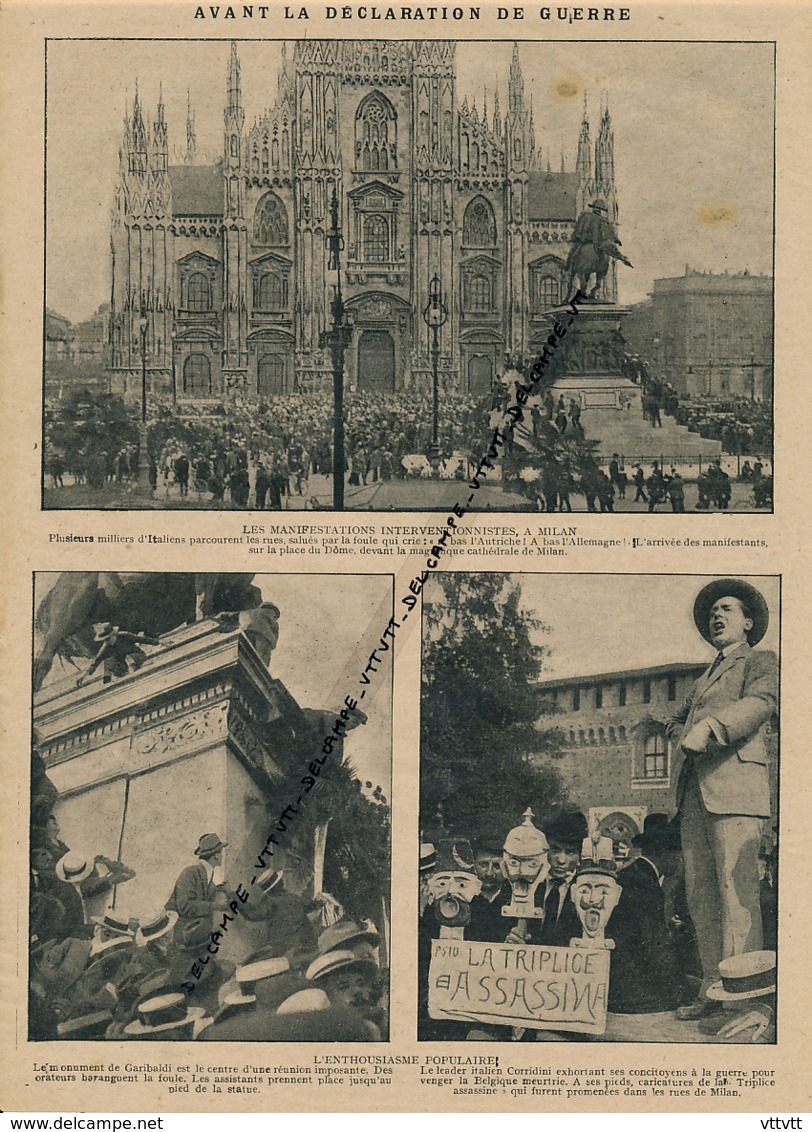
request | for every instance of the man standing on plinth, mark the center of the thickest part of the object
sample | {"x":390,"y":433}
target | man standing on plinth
{"x":723,"y":794}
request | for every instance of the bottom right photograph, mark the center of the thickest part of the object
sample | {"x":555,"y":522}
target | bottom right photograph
{"x":599,"y":808}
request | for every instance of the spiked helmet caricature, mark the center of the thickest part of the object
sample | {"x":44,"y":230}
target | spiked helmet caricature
{"x":525,"y":863}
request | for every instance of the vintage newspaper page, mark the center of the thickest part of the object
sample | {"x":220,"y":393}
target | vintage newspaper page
{"x":404,"y":668}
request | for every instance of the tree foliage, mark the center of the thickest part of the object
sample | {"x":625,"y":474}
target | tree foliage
{"x":481,"y":753}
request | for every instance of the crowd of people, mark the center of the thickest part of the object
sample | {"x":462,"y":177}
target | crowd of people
{"x":655,"y":963}
{"x":259,"y":453}
{"x":744,"y":427}
{"x":306,"y":971}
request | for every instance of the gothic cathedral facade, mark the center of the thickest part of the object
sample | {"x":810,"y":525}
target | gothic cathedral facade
{"x":220,"y":276}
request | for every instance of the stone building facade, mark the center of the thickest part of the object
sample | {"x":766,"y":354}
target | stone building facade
{"x":615,"y":751}
{"x":220,"y":274}
{"x":709,"y":334}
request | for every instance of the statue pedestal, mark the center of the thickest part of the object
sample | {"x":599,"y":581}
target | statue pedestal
{"x":590,"y":360}
{"x":195,"y":742}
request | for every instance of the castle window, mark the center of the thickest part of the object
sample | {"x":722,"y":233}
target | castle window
{"x":655,"y":757}
{"x":198,"y":294}
{"x":612,"y":735}
{"x":646,"y":691}
{"x":621,"y":695}
{"x":478,"y":225}
{"x":672,"y":687}
{"x":478,"y":297}
{"x":599,"y":697}
{"x":271,"y":222}
{"x":581,"y":737}
{"x":601,"y":736}
{"x":592,"y":736}
{"x":376,"y":134}
{"x":576,"y":699}
{"x":376,"y":239}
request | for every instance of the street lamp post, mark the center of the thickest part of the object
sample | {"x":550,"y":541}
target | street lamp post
{"x":435,"y":315}
{"x":143,"y":453}
{"x":337,"y":341}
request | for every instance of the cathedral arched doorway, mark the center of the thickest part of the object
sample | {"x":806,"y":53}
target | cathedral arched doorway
{"x":271,"y":373}
{"x":197,"y":376}
{"x":480,"y":374}
{"x":376,"y":361}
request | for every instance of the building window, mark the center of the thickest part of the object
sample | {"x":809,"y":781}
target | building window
{"x":545,"y":284}
{"x":478,"y":296}
{"x":621,"y":696}
{"x":599,"y":697}
{"x":572,"y":737}
{"x":646,"y":691}
{"x":376,"y":239}
{"x":582,"y":737}
{"x":672,"y":687}
{"x":621,"y":733}
{"x":592,"y":736}
{"x":271,"y":222}
{"x":376,"y":134}
{"x":271,"y":292}
{"x":612,"y":736}
{"x":576,"y":699}
{"x":655,"y":757}
{"x":601,"y":736}
{"x":198,"y":294}
{"x":478,"y":225}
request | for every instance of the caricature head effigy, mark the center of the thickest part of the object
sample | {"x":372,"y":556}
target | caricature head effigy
{"x":525,"y":863}
{"x":595,"y":890}
{"x":454,"y":883}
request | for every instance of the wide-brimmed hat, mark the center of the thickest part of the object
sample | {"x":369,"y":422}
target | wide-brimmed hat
{"x":117,"y":924}
{"x":749,"y":975}
{"x":599,"y":205}
{"x":428,"y":856}
{"x":208,"y":844}
{"x":752,"y":600}
{"x":255,"y":975}
{"x":268,"y":880}
{"x":74,"y":867}
{"x":334,"y":961}
{"x":103,"y":630}
{"x":111,"y":949}
{"x":156,"y":926}
{"x":163,"y":1014}
{"x":85,"y":1023}
{"x":344,"y":936}
{"x":305,"y":1016}
{"x":564,"y":825}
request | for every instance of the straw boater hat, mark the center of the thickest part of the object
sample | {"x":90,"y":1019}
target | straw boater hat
{"x":158,"y":925}
{"x":74,"y":867}
{"x":115,"y":923}
{"x":750,"y":975}
{"x":161,"y":1016}
{"x":255,"y":975}
{"x":753,"y":601}
{"x":270,"y":879}
{"x":345,"y":936}
{"x":428,"y":857}
{"x":111,"y":949}
{"x":84,"y":1023}
{"x":334,"y":961}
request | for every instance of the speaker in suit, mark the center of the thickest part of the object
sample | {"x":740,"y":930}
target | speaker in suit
{"x":723,"y":793}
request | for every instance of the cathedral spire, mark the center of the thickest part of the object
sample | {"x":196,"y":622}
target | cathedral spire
{"x":191,"y":138}
{"x":516,"y":83}
{"x":583,"y":165}
{"x":234,"y":86}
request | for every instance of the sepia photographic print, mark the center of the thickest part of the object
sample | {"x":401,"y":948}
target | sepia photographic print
{"x":599,"y":808}
{"x":316,"y":273}
{"x":210,"y":814}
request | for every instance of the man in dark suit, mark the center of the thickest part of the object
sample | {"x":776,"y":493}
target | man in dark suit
{"x":199,"y":892}
{"x":565,"y":829}
{"x":723,"y":794}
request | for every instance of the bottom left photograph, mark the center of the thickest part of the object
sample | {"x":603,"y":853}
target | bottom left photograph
{"x":210,"y":808}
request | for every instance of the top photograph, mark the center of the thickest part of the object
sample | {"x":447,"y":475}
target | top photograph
{"x":356,"y":275}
